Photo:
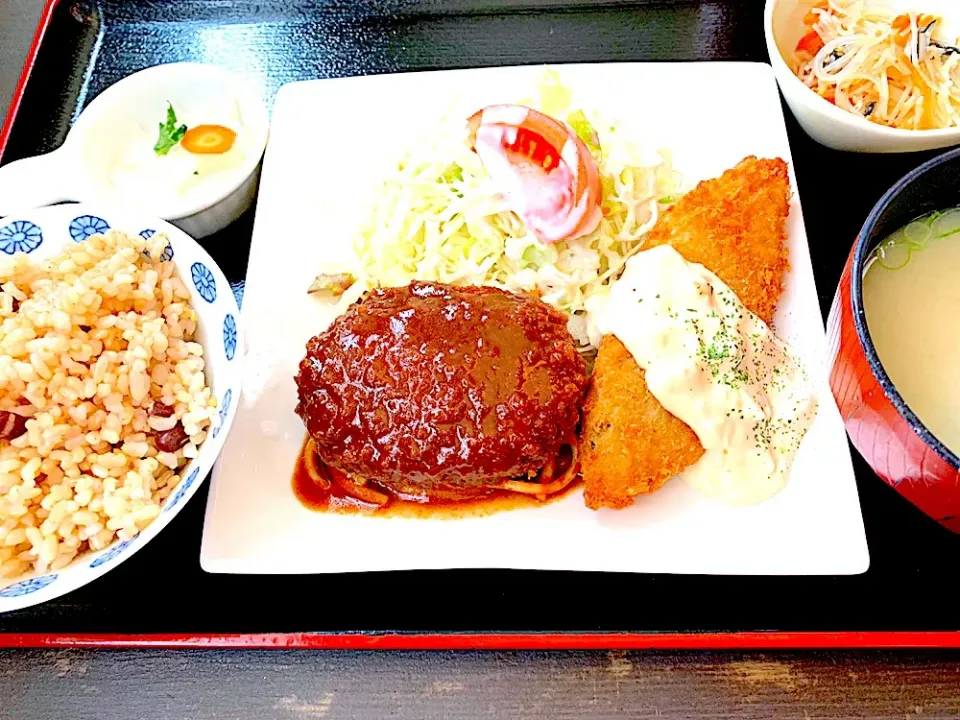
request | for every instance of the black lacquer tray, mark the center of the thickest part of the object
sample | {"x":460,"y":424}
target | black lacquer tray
{"x":162,"y":595}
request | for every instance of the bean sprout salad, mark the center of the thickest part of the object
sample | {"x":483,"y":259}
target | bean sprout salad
{"x":901,"y":71}
{"x":440,"y":215}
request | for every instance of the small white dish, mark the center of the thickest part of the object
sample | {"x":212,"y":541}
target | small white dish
{"x":125,"y":117}
{"x":254,"y":523}
{"x":825,"y":122}
{"x":43,"y":232}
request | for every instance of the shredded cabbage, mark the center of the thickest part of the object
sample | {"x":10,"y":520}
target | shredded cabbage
{"x":439,"y":218}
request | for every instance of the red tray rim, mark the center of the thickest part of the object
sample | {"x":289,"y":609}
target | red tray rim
{"x":446,"y":640}
{"x":46,"y":17}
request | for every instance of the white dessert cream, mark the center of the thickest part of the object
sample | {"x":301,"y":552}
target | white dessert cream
{"x":718,"y":368}
{"x":141,"y":172}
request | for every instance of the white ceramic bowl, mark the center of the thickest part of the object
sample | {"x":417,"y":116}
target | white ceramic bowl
{"x":43,"y":232}
{"x":80,"y":169}
{"x":823,"y":121}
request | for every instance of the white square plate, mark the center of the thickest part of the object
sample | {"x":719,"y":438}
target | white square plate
{"x":327,"y":139}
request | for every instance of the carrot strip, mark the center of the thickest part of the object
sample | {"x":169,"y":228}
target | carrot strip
{"x":810,"y":43}
{"x":208,"y":139}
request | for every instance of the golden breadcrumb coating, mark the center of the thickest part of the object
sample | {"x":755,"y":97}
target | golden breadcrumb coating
{"x":735,"y":226}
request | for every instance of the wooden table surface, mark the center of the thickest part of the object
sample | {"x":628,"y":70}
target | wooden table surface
{"x":297,"y":684}
{"x":540,"y":686}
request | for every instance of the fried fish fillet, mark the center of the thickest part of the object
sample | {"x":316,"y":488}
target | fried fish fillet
{"x":735,"y":226}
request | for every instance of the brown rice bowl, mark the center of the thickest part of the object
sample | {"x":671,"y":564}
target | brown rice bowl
{"x":108,"y":403}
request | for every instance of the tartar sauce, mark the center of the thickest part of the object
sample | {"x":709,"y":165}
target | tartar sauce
{"x":717,"y":367}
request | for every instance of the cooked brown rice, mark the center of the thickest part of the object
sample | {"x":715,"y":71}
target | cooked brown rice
{"x":90,"y":341}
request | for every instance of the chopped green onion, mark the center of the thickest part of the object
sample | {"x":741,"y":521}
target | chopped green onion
{"x":893,"y":255}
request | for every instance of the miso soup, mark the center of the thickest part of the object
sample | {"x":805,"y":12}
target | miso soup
{"x":911,"y":298}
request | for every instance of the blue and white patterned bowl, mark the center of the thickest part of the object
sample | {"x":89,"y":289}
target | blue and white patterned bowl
{"x":42,"y":232}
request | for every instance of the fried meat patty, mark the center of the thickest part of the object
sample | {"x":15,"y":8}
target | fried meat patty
{"x":431,"y":387}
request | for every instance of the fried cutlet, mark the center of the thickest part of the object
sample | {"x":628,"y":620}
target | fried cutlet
{"x":735,"y":226}
{"x":630,"y":444}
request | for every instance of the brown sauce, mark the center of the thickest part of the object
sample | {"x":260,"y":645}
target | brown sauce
{"x":334,"y":499}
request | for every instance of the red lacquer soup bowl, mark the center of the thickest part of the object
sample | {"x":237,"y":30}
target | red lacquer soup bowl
{"x":881,"y":426}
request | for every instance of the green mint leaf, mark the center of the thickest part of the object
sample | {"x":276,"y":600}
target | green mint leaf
{"x":168,"y":133}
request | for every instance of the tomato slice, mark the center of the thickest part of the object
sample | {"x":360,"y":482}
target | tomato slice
{"x":208,"y":139}
{"x":547,"y":173}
